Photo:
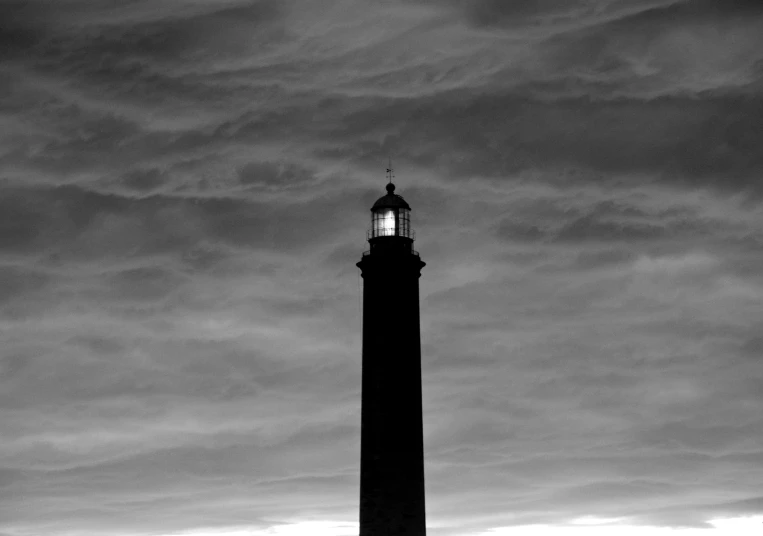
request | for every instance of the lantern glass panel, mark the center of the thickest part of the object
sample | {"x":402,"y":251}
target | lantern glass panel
{"x":404,"y":222}
{"x":384,"y":223}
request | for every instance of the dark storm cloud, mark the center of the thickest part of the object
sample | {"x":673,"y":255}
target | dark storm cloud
{"x":708,"y":142}
{"x":150,"y":29}
{"x":676,"y":136}
{"x":735,"y":507}
{"x":701,"y":438}
{"x":605,"y":222}
{"x":70,"y":223}
{"x":144,"y":180}
{"x":662,"y":130}
{"x":25,"y":25}
{"x":271,"y":174}
{"x":178,"y":35}
{"x":527,"y":13}
{"x":17,"y":281}
{"x":753,"y":347}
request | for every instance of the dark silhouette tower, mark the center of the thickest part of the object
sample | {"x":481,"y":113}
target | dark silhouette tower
{"x":392,"y":443}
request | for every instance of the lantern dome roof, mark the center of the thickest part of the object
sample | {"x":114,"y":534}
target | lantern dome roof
{"x":391,"y":200}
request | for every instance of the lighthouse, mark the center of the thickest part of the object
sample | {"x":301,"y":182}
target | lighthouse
{"x":391,"y":443}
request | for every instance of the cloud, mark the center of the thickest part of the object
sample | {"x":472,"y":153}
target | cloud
{"x":185,"y":190}
{"x":671,"y":140}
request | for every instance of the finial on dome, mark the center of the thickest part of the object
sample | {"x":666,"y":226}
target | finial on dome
{"x":390,"y":188}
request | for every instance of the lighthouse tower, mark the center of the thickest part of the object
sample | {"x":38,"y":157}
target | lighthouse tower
{"x":391,"y":444}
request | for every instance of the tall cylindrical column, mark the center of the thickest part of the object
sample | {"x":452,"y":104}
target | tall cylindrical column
{"x":392,"y":446}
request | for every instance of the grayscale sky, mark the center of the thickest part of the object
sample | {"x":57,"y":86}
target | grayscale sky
{"x":184,"y":191}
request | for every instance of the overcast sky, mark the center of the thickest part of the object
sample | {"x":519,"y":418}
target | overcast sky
{"x":185,"y":190}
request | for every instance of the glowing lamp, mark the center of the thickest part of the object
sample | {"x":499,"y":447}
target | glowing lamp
{"x":390,"y":216}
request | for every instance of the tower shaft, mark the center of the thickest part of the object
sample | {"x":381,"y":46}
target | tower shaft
{"x":392,"y":446}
